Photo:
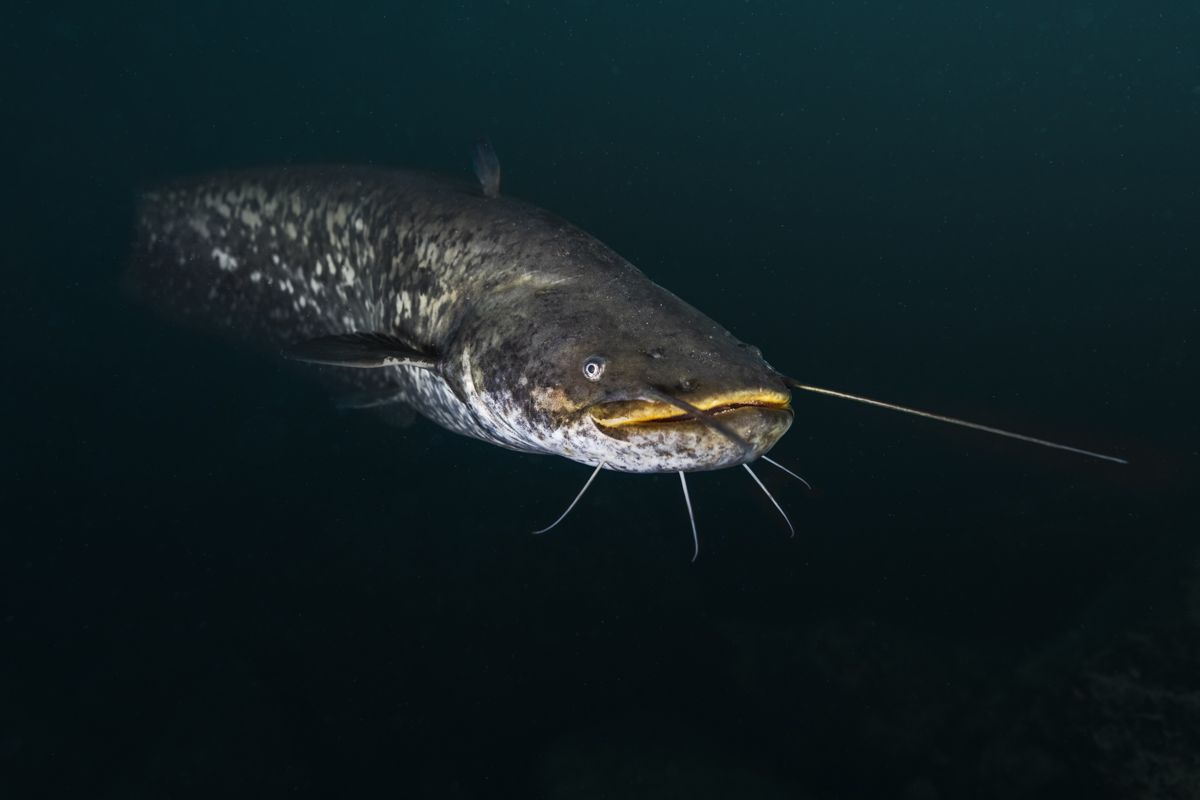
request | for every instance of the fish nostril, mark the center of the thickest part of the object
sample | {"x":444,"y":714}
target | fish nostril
{"x":686,"y":385}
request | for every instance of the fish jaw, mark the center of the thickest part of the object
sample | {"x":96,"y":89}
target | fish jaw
{"x":653,"y":436}
{"x":624,"y":413}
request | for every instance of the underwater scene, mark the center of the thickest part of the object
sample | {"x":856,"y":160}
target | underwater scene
{"x":580,"y":400}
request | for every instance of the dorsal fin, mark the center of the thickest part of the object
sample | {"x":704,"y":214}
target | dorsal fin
{"x":487,"y":167}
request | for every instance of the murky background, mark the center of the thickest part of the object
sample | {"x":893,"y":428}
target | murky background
{"x":213,"y":582}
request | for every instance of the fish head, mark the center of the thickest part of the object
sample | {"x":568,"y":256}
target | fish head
{"x":646,"y":384}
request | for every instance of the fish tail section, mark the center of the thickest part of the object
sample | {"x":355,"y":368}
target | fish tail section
{"x":265,"y":261}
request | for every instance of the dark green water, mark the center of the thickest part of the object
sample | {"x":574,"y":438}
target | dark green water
{"x":212,"y":583}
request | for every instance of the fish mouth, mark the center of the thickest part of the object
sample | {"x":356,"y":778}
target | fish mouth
{"x":623,"y":414}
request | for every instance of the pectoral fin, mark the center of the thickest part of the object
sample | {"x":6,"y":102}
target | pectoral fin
{"x":487,"y":168}
{"x":363,"y":350}
{"x":376,"y":399}
{"x":388,"y":404}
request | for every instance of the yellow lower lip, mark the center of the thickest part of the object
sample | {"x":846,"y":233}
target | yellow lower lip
{"x":639,"y":412}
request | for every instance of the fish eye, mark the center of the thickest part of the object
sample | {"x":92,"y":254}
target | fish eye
{"x":593,"y":368}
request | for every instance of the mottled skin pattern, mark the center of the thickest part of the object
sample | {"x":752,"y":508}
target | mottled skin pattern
{"x":510,"y":299}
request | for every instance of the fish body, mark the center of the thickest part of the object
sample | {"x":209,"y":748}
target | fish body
{"x":487,"y":315}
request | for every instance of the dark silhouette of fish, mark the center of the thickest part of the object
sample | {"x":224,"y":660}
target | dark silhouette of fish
{"x":489,"y":316}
